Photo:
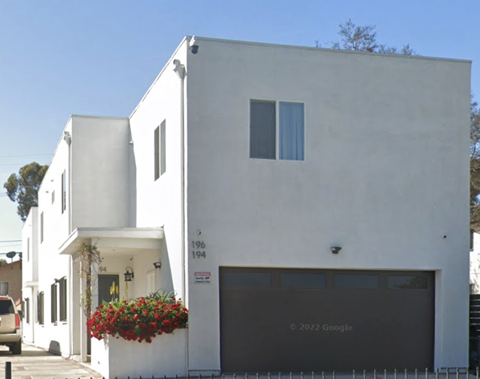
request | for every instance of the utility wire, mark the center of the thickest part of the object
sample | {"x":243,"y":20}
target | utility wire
{"x":22,"y":155}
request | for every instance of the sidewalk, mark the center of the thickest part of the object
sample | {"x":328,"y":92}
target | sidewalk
{"x":35,"y":363}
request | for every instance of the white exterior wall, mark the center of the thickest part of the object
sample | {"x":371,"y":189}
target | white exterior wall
{"x":103,"y":180}
{"x":51,"y":266}
{"x":385,"y":175}
{"x":30,"y":271}
{"x":159,"y":202}
{"x":100,"y":192}
{"x":475,"y":265}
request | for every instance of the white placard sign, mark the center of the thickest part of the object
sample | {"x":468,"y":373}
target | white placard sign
{"x":202,"y":277}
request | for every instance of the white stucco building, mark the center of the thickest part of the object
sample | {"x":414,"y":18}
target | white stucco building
{"x":310,"y":207}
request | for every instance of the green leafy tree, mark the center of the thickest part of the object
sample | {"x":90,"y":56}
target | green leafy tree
{"x":364,"y":38}
{"x":22,"y":188}
{"x":474,"y":166}
{"x":3,"y":262}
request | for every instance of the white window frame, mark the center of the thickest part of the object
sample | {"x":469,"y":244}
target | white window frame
{"x":277,"y":127}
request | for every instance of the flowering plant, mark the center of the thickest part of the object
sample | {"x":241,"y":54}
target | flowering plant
{"x":140,"y":319}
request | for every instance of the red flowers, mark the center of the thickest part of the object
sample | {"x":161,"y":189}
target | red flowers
{"x":138,"y":320}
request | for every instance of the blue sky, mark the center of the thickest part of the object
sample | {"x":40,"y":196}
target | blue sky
{"x":99,"y":57}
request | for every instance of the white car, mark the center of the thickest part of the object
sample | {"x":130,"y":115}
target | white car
{"x":10,"y":325}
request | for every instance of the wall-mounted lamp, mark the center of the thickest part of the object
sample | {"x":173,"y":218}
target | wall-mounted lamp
{"x":335,"y":249}
{"x":128,"y":274}
{"x":157,"y":264}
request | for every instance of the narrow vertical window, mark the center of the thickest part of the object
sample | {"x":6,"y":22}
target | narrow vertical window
{"x":163,"y":152}
{"x":40,"y":308}
{"x":53,"y":303}
{"x":41,"y":227}
{"x":291,"y":125}
{"x":27,"y":310}
{"x":4,"y":288}
{"x":64,"y":191}
{"x":262,"y":129}
{"x":63,"y":299}
{"x":28,"y":249}
{"x":156,"y":138}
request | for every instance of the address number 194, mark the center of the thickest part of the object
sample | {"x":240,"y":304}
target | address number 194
{"x":198,"y":250}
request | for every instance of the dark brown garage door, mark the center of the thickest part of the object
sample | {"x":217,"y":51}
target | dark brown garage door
{"x":323,"y":320}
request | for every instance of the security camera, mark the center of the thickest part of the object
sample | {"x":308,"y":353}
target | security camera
{"x":194,"y":49}
{"x":193,"y":46}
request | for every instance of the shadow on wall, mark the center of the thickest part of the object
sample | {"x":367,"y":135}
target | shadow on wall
{"x":54,"y":347}
{"x":165,"y":281}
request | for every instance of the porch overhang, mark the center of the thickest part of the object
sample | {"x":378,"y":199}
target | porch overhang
{"x":32,"y":283}
{"x":115,"y":241}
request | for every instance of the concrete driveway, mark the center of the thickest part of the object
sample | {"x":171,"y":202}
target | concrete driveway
{"x":36,"y":363}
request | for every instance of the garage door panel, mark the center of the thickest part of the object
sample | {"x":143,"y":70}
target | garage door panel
{"x":307,"y":320}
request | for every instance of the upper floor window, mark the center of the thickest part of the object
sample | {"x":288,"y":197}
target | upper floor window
{"x":28,"y":249}
{"x":64,"y":190}
{"x":41,"y":227}
{"x":160,"y":155}
{"x":264,"y":129}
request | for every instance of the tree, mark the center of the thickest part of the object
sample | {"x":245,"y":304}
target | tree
{"x":474,"y":166}
{"x":364,"y":38}
{"x":22,"y":188}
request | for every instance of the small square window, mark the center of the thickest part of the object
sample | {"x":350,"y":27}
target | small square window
{"x":271,"y":139}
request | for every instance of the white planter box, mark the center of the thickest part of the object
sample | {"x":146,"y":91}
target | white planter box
{"x":119,"y":358}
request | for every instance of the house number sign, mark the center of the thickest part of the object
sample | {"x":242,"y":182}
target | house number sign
{"x":199,"y":250}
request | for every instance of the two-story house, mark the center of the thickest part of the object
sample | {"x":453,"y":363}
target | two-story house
{"x":309,"y":206}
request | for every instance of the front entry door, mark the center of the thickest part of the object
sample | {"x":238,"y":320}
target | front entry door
{"x":105,"y":285}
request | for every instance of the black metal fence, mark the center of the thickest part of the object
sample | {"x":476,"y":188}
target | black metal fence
{"x":439,"y":373}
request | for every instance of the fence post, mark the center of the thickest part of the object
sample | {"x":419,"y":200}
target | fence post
{"x":8,"y":370}
{"x":426,"y":372}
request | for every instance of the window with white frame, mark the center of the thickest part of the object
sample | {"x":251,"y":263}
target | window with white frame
{"x":64,"y":190}
{"x":41,"y":227}
{"x":62,"y":283}
{"x":27,"y":310}
{"x":40,"y":299}
{"x":53,"y":303}
{"x":3,"y":288}
{"x":160,"y":155}
{"x":277,"y":130}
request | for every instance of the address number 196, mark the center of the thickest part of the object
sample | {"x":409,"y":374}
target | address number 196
{"x":198,"y":250}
